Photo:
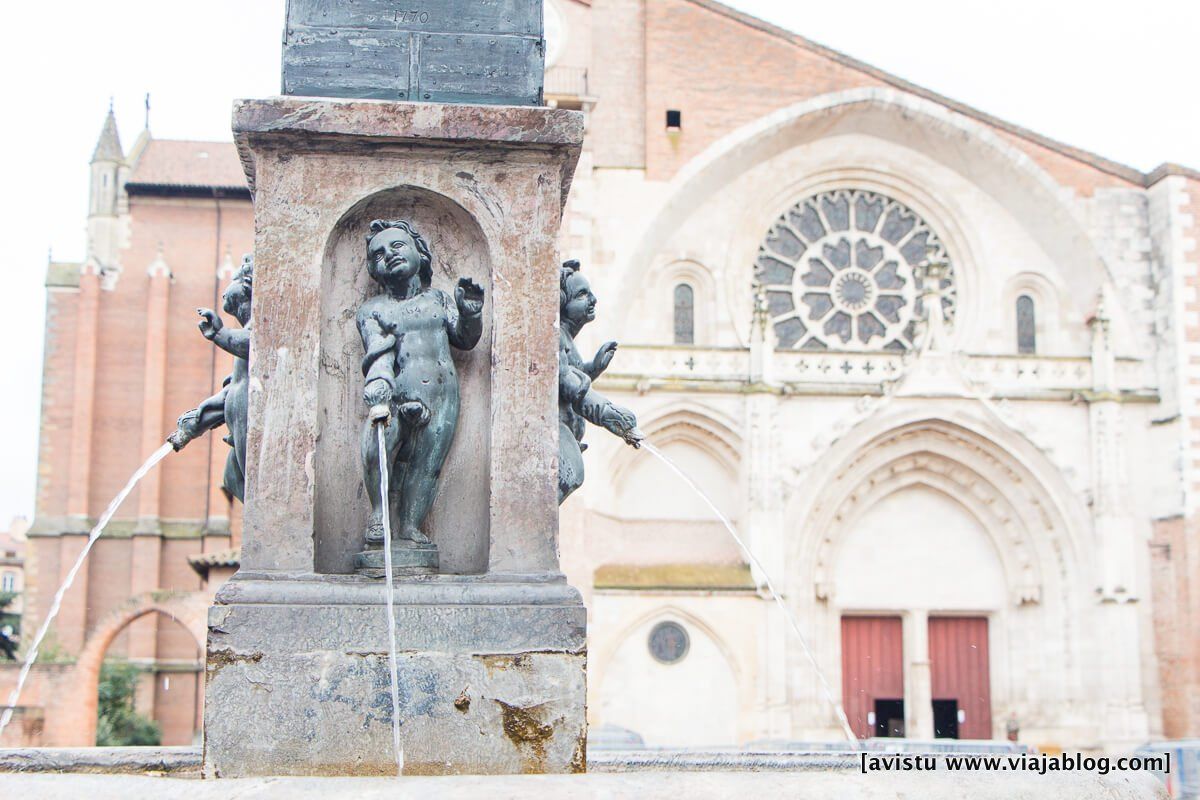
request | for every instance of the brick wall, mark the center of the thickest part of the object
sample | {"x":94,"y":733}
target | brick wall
{"x":195,"y":238}
{"x":721,"y":74}
{"x":616,"y":75}
{"x":1177,"y":554}
{"x":723,"y":70}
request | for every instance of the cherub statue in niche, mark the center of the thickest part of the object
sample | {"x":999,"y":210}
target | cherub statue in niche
{"x":578,"y":403}
{"x":228,"y":406}
{"x":411,"y":386}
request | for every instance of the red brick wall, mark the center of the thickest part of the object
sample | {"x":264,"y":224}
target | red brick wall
{"x":187,"y":230}
{"x":1175,"y":586}
{"x":109,"y":570}
{"x":1079,"y":175}
{"x":194,"y":242}
{"x":57,"y":401}
{"x":617,"y":77}
{"x":723,"y":73}
{"x":1175,"y":550}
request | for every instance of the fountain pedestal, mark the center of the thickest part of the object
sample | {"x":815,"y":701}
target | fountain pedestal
{"x":408,"y":558}
{"x":491,"y":651}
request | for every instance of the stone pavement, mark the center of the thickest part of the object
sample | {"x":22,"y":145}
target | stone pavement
{"x":812,"y":785}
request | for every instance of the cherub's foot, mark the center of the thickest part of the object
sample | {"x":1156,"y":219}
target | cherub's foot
{"x":414,"y":534}
{"x":375,"y":532}
{"x":414,"y":413}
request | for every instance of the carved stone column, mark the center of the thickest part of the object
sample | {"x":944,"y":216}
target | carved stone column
{"x":918,"y":699}
{"x":1124,"y":721}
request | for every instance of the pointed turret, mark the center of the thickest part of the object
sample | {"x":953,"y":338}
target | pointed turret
{"x":108,"y":146}
{"x":109,"y":171}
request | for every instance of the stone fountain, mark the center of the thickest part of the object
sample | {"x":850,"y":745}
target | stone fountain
{"x":466,"y":195}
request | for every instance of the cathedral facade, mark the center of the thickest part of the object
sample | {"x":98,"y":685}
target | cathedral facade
{"x":935,"y":369}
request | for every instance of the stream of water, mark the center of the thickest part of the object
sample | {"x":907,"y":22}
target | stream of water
{"x":384,"y":505}
{"x":787,"y":612}
{"x":32,"y":653}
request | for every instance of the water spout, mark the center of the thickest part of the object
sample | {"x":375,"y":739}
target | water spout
{"x":787,"y":612}
{"x":389,"y":589}
{"x":32,"y":654}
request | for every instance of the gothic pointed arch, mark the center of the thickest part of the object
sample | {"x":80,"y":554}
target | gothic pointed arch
{"x":1037,"y":530}
{"x":78,"y":706}
{"x":708,"y":429}
{"x":952,"y":139}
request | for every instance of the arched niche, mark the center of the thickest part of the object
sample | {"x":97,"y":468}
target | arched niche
{"x":702,"y":445}
{"x":691,"y":702}
{"x":458,"y":522}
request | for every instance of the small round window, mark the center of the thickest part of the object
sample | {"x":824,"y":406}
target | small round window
{"x":668,"y":642}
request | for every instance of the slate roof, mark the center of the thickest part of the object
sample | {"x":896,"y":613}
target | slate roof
{"x":203,"y":562}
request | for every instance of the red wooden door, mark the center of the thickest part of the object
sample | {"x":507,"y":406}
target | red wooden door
{"x":872,"y":667}
{"x":958,"y":660}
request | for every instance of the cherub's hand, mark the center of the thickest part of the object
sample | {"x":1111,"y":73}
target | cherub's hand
{"x":377,"y":393}
{"x":210,"y":323}
{"x":604,"y":357}
{"x":468,"y":296}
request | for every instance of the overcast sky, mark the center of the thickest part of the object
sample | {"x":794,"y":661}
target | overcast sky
{"x":1115,"y":77}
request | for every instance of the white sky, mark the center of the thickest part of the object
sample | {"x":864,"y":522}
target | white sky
{"x":1115,"y":77}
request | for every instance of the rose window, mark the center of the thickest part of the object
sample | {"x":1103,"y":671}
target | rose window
{"x":838,"y":272}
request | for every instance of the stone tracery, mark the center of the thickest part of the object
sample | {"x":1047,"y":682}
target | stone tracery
{"x":837,"y":268}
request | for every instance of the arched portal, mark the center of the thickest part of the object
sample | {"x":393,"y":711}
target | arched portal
{"x":963,"y":540}
{"x":76,"y":712}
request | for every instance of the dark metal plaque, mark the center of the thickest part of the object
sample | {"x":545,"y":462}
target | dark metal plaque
{"x":443,"y":51}
{"x":668,"y":642}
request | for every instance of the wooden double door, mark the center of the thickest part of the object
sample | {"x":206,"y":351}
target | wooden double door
{"x":873,"y":667}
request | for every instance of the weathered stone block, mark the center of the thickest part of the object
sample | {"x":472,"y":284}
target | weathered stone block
{"x":491,"y":683}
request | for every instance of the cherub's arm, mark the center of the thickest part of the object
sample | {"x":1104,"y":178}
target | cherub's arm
{"x":575,"y":388}
{"x":464,"y":317}
{"x":236,"y":342}
{"x":378,"y":365}
{"x":201,"y":419}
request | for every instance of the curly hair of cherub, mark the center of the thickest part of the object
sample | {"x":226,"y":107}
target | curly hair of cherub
{"x":567,"y":269}
{"x":426,"y":269}
{"x":245,"y":271}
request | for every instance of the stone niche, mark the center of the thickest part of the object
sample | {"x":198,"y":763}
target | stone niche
{"x":458,"y":522}
{"x":492,"y":651}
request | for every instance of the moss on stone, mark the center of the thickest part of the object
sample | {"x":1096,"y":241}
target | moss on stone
{"x":718,"y":577}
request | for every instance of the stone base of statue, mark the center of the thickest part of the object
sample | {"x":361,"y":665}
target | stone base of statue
{"x":408,"y":558}
{"x":491,"y":651}
{"x":491,"y":677}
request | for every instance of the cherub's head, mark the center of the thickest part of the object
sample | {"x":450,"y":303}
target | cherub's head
{"x":396,"y":252}
{"x":237,"y":296}
{"x":576,"y":303}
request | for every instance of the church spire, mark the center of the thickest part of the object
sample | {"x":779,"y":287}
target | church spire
{"x":108,"y":146}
